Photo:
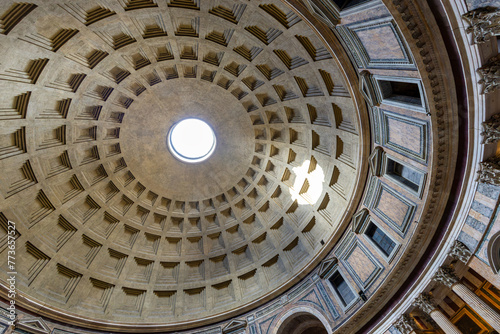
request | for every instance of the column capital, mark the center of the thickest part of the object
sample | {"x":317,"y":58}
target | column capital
{"x":460,"y":251}
{"x":490,"y":171}
{"x":446,"y":276}
{"x":491,"y":74}
{"x":405,"y":324}
{"x":491,"y":129}
{"x":425,"y":302}
{"x":483,"y":23}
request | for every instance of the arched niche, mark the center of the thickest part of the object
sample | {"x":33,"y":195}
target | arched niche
{"x":494,"y":253}
{"x":303,"y":321}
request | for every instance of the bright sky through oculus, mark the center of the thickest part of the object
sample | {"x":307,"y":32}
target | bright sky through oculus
{"x":191,"y":140}
{"x":315,"y":179}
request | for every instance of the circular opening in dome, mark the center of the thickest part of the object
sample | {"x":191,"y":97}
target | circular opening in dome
{"x":191,"y":140}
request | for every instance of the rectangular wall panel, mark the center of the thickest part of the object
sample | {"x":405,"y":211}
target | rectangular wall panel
{"x":390,"y":206}
{"x":405,"y":135}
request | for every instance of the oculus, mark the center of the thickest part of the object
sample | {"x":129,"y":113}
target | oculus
{"x":191,"y":140}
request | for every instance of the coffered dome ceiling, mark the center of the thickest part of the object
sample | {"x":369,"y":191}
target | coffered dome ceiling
{"x":111,"y":226}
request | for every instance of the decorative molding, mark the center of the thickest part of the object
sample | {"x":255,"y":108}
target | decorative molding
{"x":360,"y":221}
{"x":367,"y":89}
{"x":326,"y":12}
{"x":326,"y":267}
{"x":33,"y":325}
{"x":375,"y":124}
{"x":375,"y":160}
{"x":235,"y":327}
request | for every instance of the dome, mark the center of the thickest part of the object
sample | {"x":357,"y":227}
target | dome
{"x":179,"y":164}
{"x":119,"y":209}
